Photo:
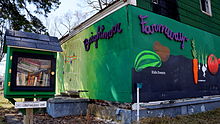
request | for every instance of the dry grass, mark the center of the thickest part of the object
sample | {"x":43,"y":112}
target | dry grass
{"x":5,"y":107}
{"x":4,"y":102}
{"x":210,"y":117}
{"x":2,"y":120}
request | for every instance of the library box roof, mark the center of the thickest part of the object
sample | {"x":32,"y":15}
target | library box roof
{"x":32,"y":41}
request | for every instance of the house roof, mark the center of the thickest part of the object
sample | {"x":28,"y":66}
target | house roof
{"x":32,"y":41}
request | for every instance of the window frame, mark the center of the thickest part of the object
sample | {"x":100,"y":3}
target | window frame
{"x":155,"y":1}
{"x":14,"y":86}
{"x":209,"y":7}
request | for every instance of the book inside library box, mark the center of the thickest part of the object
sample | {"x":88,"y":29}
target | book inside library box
{"x":32,"y":71}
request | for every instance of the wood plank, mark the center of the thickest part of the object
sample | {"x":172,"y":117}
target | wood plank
{"x":210,"y":25}
{"x":28,"y":118}
{"x":193,"y":12}
{"x":199,"y":25}
{"x":215,"y":2}
{"x":196,"y":7}
{"x":194,"y":4}
{"x":209,"y":20}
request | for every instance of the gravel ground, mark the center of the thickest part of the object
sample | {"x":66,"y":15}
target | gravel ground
{"x":11,"y":116}
{"x":45,"y":119}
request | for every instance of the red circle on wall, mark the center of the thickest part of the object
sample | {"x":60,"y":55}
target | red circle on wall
{"x":212,"y":64}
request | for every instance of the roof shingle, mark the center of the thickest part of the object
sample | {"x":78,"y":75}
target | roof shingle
{"x":32,"y":40}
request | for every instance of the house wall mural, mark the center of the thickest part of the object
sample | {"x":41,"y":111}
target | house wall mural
{"x":133,"y":46}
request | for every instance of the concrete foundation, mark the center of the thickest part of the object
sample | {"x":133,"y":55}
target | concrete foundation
{"x":110,"y":113}
{"x":66,"y":106}
{"x":59,"y":107}
{"x":155,"y":109}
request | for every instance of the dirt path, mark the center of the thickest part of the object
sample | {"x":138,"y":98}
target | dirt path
{"x":13,"y":114}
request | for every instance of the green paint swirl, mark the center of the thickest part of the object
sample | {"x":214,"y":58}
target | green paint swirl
{"x":146,"y":59}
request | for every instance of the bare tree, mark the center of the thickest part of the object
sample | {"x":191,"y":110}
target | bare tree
{"x":57,"y":27}
{"x":99,"y":4}
{"x":3,"y":25}
{"x":67,"y":21}
{"x":64,"y":24}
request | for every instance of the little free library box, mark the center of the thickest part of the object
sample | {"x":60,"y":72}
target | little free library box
{"x":31,"y":65}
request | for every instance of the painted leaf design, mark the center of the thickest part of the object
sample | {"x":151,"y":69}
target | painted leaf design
{"x":146,"y":59}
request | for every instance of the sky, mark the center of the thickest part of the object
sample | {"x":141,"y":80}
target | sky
{"x":2,"y":67}
{"x":66,"y":6}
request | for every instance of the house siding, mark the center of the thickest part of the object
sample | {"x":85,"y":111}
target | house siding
{"x":145,"y":4}
{"x":191,"y":14}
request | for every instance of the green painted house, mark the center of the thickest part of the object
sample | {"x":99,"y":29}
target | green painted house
{"x":170,"y":46}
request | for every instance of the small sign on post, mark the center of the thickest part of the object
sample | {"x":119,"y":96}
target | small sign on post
{"x":36,"y":104}
{"x":29,"y":105}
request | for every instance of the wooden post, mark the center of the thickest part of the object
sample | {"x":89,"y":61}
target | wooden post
{"x":29,"y":118}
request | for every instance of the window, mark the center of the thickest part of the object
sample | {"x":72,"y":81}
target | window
{"x":32,"y":72}
{"x":205,"y":6}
